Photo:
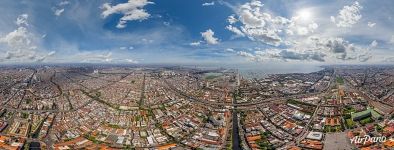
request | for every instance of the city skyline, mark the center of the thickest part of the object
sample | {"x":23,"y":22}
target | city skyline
{"x":197,"y":32}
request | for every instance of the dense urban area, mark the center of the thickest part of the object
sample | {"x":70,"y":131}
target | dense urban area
{"x":127,"y":107}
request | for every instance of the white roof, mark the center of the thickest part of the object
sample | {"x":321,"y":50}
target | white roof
{"x":315,"y":136}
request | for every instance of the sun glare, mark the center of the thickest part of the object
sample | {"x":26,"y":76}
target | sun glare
{"x":304,"y":14}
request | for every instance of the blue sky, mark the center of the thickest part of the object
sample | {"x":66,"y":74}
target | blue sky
{"x":197,"y":31}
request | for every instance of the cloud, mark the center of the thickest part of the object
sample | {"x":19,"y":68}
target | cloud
{"x":42,"y":58}
{"x":373,"y":44}
{"x":371,"y":24}
{"x":126,"y":48}
{"x":392,"y":39}
{"x":131,"y":10}
{"x":94,"y":57}
{"x":58,"y":12}
{"x":21,"y":44}
{"x":332,"y":18}
{"x":337,"y":47}
{"x":389,"y":59}
{"x":293,"y":55}
{"x":285,"y":55}
{"x":17,"y":39}
{"x":22,"y":20}
{"x":235,"y":30}
{"x":300,"y":42}
{"x":51,"y":53}
{"x":231,"y":19}
{"x":147,"y":41}
{"x":364,"y":57}
{"x":301,"y":29}
{"x":166,"y":23}
{"x":131,"y":61}
{"x":209,"y":4}
{"x":209,"y":37}
{"x":102,"y":57}
{"x":256,"y":25}
{"x":291,"y":36}
{"x":195,"y":43}
{"x":63,"y":3}
{"x":248,"y":55}
{"x":59,"y":9}
{"x":265,"y":28}
{"x":229,"y":50}
{"x":245,"y":54}
{"x":348,"y":15}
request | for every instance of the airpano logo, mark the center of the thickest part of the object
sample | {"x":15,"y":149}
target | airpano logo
{"x":363,"y":140}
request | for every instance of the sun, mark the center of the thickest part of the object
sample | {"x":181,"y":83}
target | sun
{"x":304,"y":14}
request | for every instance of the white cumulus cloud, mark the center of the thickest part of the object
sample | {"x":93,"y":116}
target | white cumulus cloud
{"x":371,"y":24}
{"x":248,"y":55}
{"x":59,"y":12}
{"x":209,"y":37}
{"x":22,"y":20}
{"x":208,"y":4}
{"x":131,"y":61}
{"x":131,"y":10}
{"x":373,"y":44}
{"x":21,"y":44}
{"x":263,"y":27}
{"x":229,"y":50}
{"x":348,"y":15}
{"x":59,"y":8}
{"x":195,"y":43}
{"x":255,"y":24}
{"x":63,"y":3}
{"x":231,"y":19}
{"x":296,"y":35}
{"x":235,"y":30}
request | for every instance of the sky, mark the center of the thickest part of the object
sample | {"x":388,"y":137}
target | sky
{"x":261,"y":33}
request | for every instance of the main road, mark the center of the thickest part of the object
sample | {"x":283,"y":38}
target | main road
{"x":235,"y":134}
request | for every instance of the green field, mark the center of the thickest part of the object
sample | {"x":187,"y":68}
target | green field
{"x":340,"y":80}
{"x":210,"y":76}
{"x":348,"y":110}
{"x":350,"y":123}
{"x":366,"y":121}
{"x":332,"y":129}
